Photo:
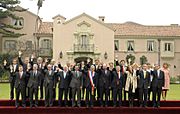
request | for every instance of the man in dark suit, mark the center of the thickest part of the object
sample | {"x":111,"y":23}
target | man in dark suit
{"x":76,"y":85}
{"x":41,"y":68}
{"x":34,"y":84}
{"x":117,"y":85}
{"x":104,"y":84}
{"x":27,"y":66}
{"x":20,"y":87}
{"x":143,"y":85}
{"x":123,"y":70}
{"x":91,"y":84}
{"x":49,"y":84}
{"x":157,"y":84}
{"x":12,"y":69}
{"x":64,"y":81}
{"x":54,"y":66}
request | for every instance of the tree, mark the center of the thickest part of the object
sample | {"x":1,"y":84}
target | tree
{"x":143,"y":60}
{"x":7,"y":7}
{"x":130,"y":59}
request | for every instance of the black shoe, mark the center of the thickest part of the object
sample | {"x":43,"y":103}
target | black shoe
{"x":17,"y":106}
{"x":92,"y":106}
{"x":36,"y":106}
{"x":101,"y":105}
{"x":31,"y":106}
{"x":24,"y":106}
{"x":114,"y":105}
{"x":141,"y":105}
{"x":106,"y":105}
{"x":79,"y":106}
{"x":87,"y":106}
{"x":50,"y":105}
{"x":46,"y":105}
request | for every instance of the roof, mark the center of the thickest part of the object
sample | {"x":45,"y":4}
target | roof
{"x":131,"y":28}
{"x":46,"y":28}
{"x":84,"y":14}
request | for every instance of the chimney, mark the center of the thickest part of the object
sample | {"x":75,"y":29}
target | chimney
{"x":101,"y":18}
{"x":174,"y":25}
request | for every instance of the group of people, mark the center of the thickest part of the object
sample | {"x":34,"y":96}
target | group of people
{"x":86,"y":81}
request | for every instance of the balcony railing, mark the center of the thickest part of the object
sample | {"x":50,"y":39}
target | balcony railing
{"x":84,"y":48}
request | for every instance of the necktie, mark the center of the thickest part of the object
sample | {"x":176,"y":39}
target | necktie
{"x":34,"y":74}
{"x":144,"y":74}
{"x":20,"y":74}
{"x":119,"y":75}
{"x":76,"y":74}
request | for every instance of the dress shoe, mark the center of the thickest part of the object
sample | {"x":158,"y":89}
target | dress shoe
{"x":36,"y":105}
{"x":31,"y":106}
{"x":24,"y":106}
{"x":17,"y":106}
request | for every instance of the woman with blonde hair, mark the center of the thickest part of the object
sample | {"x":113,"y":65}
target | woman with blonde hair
{"x":166,"y":87}
{"x":131,"y":84}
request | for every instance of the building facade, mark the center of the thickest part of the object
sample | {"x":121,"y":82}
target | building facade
{"x":84,"y":37}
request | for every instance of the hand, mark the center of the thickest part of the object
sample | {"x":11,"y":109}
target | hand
{"x":20,"y":53}
{"x":80,"y":87}
{"x":5,"y":62}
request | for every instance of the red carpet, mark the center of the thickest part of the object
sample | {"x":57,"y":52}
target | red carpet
{"x":167,"y":107}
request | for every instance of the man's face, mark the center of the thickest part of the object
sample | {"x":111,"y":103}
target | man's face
{"x":26,"y":60}
{"x":118,"y":68}
{"x":76,"y":68}
{"x":122,"y":62}
{"x":156,"y":67}
{"x":14,"y":62}
{"x":20,"y":68}
{"x":49,"y":67}
{"x":104,"y":66}
{"x":144,"y":67}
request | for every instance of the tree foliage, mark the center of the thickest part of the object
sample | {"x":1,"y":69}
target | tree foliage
{"x":7,"y":7}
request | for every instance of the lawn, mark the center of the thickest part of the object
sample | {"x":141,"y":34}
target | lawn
{"x":173,"y":93}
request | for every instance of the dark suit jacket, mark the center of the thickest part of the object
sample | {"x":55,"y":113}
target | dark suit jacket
{"x":158,"y":81}
{"x":20,"y":82}
{"x":116,"y":80}
{"x":143,"y":82}
{"x":49,"y":80}
{"x":34,"y":81}
{"x":64,"y":82}
{"x":24,"y":64}
{"x":104,"y":79}
{"x":87,"y":81}
{"x":13,"y":73}
{"x":76,"y":82}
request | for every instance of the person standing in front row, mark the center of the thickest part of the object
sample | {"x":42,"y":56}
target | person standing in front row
{"x":131,"y":84}
{"x":76,"y":85}
{"x":117,"y":85}
{"x":91,"y":84}
{"x":64,"y":77}
{"x":157,"y":84}
{"x":20,"y":87}
{"x":34,"y":84}
{"x":49,"y":84}
{"x":143,"y":85}
{"x":166,"y":86}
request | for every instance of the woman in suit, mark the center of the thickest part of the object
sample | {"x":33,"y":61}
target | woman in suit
{"x":131,"y":84}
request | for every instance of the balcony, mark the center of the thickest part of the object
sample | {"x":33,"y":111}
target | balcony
{"x":88,"y":48}
{"x":44,"y":52}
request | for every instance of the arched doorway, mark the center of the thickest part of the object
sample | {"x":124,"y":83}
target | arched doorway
{"x":80,"y":59}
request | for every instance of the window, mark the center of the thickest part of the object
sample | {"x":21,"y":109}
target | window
{"x":10,"y":44}
{"x":130,"y":46}
{"x":150,"y":45}
{"x":168,"y":47}
{"x":46,"y":44}
{"x":116,"y":45}
{"x":84,"y":40}
{"x":29,"y":44}
{"x":18,"y":22}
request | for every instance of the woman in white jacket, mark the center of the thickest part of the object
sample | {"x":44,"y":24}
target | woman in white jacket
{"x":131,"y":84}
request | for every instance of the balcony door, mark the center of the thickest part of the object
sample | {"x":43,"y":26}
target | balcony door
{"x":84,"y":40}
